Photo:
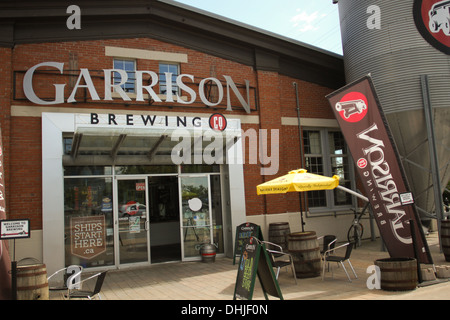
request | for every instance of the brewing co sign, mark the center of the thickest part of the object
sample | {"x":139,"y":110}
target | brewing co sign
{"x":88,"y":236}
{"x":365,"y":129}
{"x":432,"y":18}
{"x":218,"y":122}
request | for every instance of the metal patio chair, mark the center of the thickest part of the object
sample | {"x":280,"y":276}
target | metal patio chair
{"x":279,"y":259}
{"x":339,"y":259}
{"x":329,"y":242}
{"x":73,"y":293}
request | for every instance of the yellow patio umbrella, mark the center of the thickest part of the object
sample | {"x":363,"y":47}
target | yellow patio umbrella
{"x":298,"y":181}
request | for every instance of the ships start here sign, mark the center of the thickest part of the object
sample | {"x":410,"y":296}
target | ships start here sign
{"x":14,"y":229}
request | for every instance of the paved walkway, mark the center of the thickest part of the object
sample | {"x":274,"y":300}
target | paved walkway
{"x":216,"y":281}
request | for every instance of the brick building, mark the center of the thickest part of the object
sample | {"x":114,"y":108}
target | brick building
{"x":91,"y":117}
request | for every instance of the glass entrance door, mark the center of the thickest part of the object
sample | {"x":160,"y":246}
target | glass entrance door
{"x":132,"y":217}
{"x":195,"y":215}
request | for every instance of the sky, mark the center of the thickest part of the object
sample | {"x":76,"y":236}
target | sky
{"x":315,"y":22}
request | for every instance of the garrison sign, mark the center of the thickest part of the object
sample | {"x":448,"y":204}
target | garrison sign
{"x":432,"y":18}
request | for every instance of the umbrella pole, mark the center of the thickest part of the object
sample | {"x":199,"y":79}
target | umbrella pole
{"x":356,"y":194}
{"x":301,"y":211}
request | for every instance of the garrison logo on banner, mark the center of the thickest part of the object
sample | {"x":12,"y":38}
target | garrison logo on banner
{"x":352,"y":107}
{"x":432,"y":18}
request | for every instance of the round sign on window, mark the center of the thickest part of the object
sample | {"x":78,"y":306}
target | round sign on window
{"x":217,"y":122}
{"x":195,"y":204}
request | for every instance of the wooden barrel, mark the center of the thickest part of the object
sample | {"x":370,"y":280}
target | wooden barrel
{"x":445,"y":238}
{"x":208,"y":252}
{"x":32,"y":282}
{"x":305,"y":251}
{"x":398,"y":274}
{"x":278,"y":232}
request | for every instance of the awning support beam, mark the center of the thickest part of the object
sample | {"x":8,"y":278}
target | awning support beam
{"x":76,"y":144}
{"x":153,"y":150}
{"x":116,"y":147}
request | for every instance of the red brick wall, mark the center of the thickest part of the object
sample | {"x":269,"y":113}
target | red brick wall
{"x":25,"y":188}
{"x":276,"y":99}
{"x":5,"y":115}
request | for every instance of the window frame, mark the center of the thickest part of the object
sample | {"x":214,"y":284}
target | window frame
{"x":330,"y":208}
{"x":163,"y":81}
{"x":129,"y":80}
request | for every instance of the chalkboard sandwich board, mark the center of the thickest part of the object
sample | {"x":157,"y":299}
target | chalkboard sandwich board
{"x":254,"y":262}
{"x":244,"y":232}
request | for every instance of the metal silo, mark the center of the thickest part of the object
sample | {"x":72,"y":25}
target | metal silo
{"x":411,"y":74}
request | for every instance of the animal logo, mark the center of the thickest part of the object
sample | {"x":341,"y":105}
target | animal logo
{"x":432,"y":19}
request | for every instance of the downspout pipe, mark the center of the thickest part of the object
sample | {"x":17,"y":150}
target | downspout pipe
{"x":299,"y":124}
{"x":301,"y":148}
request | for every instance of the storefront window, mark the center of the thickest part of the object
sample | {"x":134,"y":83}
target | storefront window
{"x":88,"y":222}
{"x":147,"y":220}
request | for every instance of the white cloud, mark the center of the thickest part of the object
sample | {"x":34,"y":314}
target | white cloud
{"x":305,"y":22}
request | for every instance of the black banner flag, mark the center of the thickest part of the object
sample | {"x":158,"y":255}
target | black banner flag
{"x":362,"y":122}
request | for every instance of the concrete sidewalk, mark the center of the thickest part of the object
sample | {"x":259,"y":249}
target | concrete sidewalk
{"x":216,"y":281}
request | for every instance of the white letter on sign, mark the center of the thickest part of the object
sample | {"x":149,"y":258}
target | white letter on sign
{"x":28,"y":84}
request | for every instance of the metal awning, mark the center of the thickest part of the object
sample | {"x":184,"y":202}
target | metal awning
{"x":143,"y":146}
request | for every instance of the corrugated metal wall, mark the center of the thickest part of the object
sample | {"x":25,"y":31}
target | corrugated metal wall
{"x":396,"y":55}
